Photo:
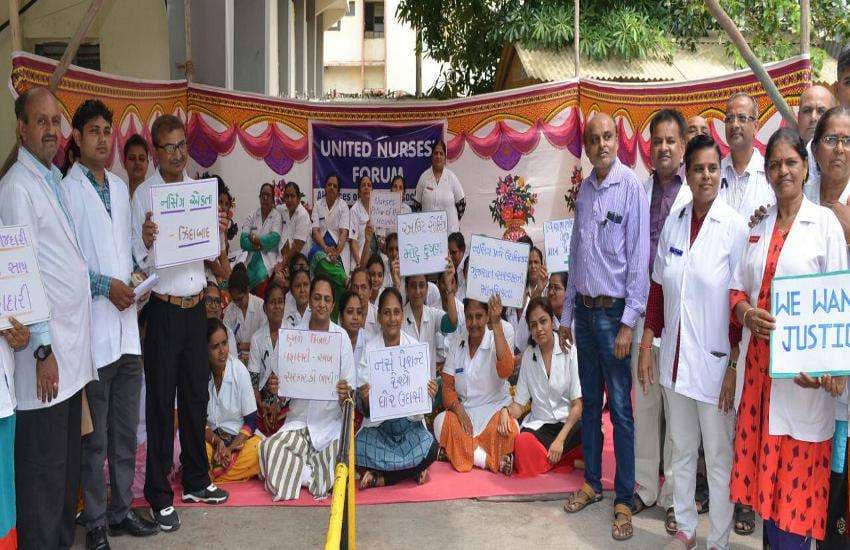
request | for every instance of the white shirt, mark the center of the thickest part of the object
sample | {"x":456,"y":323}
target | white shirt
{"x":180,"y":280}
{"x":272,"y":224}
{"x":370,"y":324}
{"x":812,"y":192}
{"x":244,"y":326}
{"x":105,"y":239}
{"x":550,"y":395}
{"x":428,"y":331}
{"x":323,"y":419}
{"x":331,"y":221}
{"x":815,"y":244}
{"x":263,"y":357}
{"x":444,"y":194}
{"x":363,"y":377}
{"x":746,"y":192}
{"x":291,"y":317}
{"x":26,"y":198}
{"x":295,"y":227}
{"x":228,"y":406}
{"x":479,"y":388}
{"x":695,"y":279}
{"x":814,"y":175}
{"x":358,"y":218}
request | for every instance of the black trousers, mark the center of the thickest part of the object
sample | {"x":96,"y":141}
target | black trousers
{"x":47,"y":474}
{"x":547,"y":433}
{"x":176,"y":362}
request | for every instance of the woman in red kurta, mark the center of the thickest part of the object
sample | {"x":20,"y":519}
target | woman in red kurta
{"x":785,"y":479}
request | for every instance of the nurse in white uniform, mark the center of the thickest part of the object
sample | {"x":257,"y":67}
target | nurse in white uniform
{"x":439,"y":189}
{"x":331,"y":222}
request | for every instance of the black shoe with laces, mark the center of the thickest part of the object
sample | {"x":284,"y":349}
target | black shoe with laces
{"x":133,"y":525}
{"x":209,"y":495}
{"x":96,"y":539}
{"x":166,"y":519}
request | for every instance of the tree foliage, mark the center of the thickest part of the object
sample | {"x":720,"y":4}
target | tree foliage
{"x":467,"y":36}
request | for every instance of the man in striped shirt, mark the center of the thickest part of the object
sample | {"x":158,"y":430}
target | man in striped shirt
{"x":606,"y":294}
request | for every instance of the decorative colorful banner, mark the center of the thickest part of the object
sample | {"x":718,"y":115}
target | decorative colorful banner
{"x":530,"y":135}
{"x":380,"y":151}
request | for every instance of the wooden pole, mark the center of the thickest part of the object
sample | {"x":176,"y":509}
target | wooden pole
{"x":62,"y":67}
{"x":740,"y":42}
{"x":805,"y":27}
{"x":188,"y":67}
{"x":15,"y":26}
{"x":577,"y":61}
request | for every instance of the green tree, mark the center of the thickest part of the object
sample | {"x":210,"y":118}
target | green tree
{"x":467,"y":36}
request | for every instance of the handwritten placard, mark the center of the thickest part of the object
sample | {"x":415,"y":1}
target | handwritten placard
{"x":398,"y":380}
{"x":812,"y":325}
{"x":308,"y":364}
{"x":556,"y":239}
{"x":22,"y":293}
{"x":423,"y":243}
{"x":497,"y":267}
{"x":187,"y":218}
{"x":383,"y":210}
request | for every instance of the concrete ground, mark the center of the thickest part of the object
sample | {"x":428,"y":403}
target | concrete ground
{"x":456,"y":524}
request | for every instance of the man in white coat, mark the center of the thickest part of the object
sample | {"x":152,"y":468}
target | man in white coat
{"x":99,"y":204}
{"x":53,"y":369}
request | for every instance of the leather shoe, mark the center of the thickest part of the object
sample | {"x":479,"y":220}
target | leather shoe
{"x":133,"y":525}
{"x":96,"y":539}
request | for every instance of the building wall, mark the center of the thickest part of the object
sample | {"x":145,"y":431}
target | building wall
{"x":249,"y":44}
{"x":133,"y":39}
{"x":346,"y":79}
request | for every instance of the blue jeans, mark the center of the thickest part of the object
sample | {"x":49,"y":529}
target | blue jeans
{"x":595,"y":332}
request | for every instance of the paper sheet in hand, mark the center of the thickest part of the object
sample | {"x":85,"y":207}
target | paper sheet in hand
{"x":22,"y":293}
{"x":556,"y":239}
{"x":145,"y":286}
{"x":812,"y":325}
{"x":308,"y":364}
{"x":423,"y":243}
{"x":398,"y":382}
{"x":383,"y":210}
{"x":497,"y":267}
{"x":186,"y":215}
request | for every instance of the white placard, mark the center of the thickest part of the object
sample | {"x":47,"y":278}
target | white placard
{"x":498,"y":267}
{"x":423,"y":243}
{"x":812,"y":325}
{"x":384,"y":207}
{"x":556,"y":239}
{"x":22,"y":293}
{"x":308,"y":364}
{"x":398,"y":382}
{"x":186,"y":215}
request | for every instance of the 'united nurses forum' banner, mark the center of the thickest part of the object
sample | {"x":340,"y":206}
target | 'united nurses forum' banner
{"x":380,"y":151}
{"x":517,"y":153}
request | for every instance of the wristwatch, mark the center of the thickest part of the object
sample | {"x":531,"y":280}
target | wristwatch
{"x":42,"y":352}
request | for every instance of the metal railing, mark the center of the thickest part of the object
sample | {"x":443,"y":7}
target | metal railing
{"x":342,"y":531}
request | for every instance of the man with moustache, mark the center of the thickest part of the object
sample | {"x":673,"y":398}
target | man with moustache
{"x":53,"y":369}
{"x":743,"y":184}
{"x":608,"y":287}
{"x":99,"y":204}
{"x":814,"y":102}
{"x":666,"y":192}
{"x":696,"y":125}
{"x":175,"y":346}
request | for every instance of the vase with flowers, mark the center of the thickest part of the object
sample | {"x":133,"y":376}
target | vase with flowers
{"x":513,"y":206}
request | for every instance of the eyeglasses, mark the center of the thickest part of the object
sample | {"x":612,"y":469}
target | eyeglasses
{"x":172,"y":148}
{"x":832,"y":141}
{"x":741,"y":118}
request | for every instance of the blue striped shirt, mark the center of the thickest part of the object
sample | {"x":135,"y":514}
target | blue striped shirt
{"x":609,"y":249}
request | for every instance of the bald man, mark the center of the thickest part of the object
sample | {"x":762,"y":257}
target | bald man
{"x":695,"y":126}
{"x":606,"y":295}
{"x":53,"y":369}
{"x":814,"y":102}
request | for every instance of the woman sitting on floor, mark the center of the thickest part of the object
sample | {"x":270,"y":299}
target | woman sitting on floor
{"x":271,"y":408}
{"x":548,"y":379}
{"x":402,"y":448}
{"x":476,"y":428}
{"x":303,"y":451}
{"x":231,"y":412}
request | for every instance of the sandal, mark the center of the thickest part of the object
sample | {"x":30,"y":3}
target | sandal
{"x":506,"y":465}
{"x":638,"y":505}
{"x":621,"y":527}
{"x":670,"y":524}
{"x":745,"y":520}
{"x":370,"y":480}
{"x":579,"y":500}
{"x":423,"y":477}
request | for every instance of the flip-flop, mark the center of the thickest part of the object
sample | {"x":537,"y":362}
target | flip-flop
{"x":745,"y":516}
{"x":670,"y":524}
{"x":581,"y":499}
{"x":621,"y":527}
{"x":506,"y":465}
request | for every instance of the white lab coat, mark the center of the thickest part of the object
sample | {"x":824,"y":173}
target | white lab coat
{"x":480,"y":389}
{"x":332,"y":221}
{"x":815,"y":244}
{"x":244,"y":326}
{"x":272,"y":224}
{"x":552,"y":394}
{"x":229,"y":405}
{"x":27,"y":199}
{"x":106,"y":242}
{"x":695,"y":280}
{"x":683,"y":197}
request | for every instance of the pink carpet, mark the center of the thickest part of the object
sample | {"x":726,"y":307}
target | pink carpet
{"x":445,"y":484}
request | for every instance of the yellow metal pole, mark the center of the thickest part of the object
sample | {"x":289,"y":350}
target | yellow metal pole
{"x":352,"y":515}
